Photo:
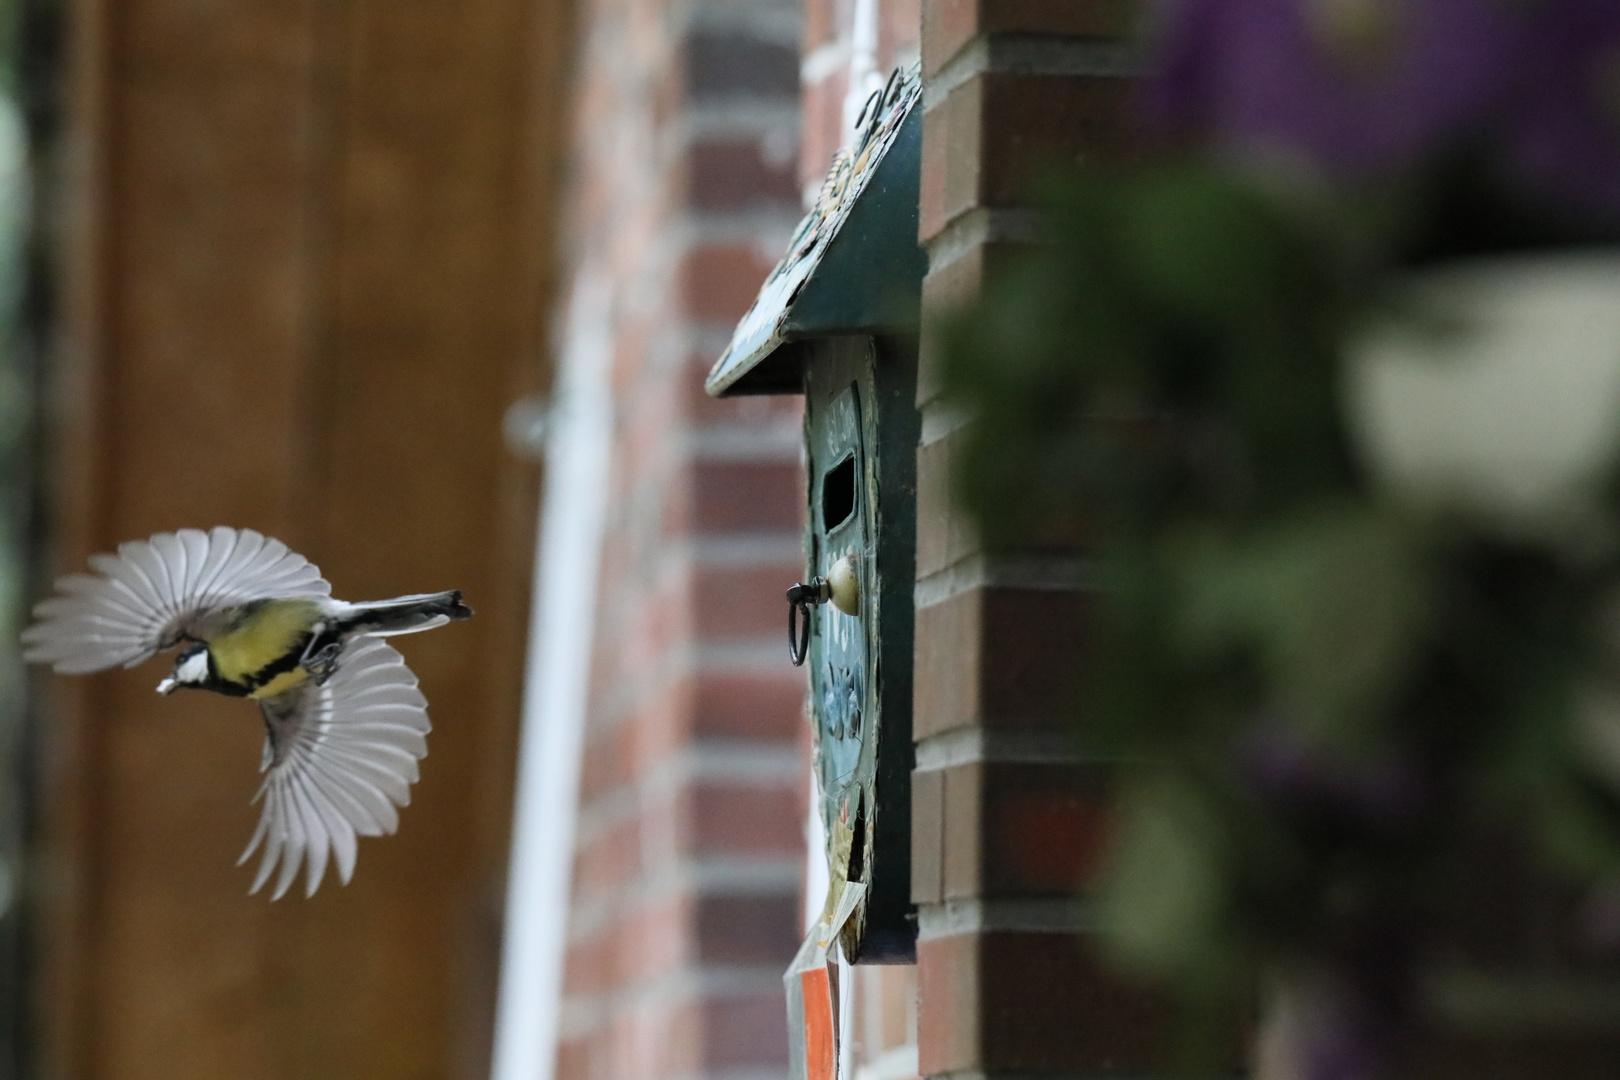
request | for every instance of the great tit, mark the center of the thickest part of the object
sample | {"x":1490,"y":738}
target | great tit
{"x":344,"y":722}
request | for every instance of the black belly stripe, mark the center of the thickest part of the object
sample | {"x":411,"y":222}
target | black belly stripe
{"x":279,"y":666}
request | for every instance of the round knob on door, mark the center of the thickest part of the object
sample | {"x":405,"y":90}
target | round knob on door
{"x":844,"y":587}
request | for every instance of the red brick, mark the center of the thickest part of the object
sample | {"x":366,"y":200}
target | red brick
{"x":602,"y":767}
{"x":821,"y":128}
{"x":589,"y":967}
{"x":927,"y":836}
{"x":737,"y":175}
{"x":731,"y":63}
{"x":951,"y":150}
{"x":674,"y":511}
{"x":658,"y":624}
{"x":649,"y":423}
{"x":608,"y":861}
{"x":947,"y":25}
{"x":820,"y":23}
{"x":656,"y":731}
{"x":945,"y":692}
{"x":954,"y":285}
{"x":750,"y":410}
{"x":1048,"y":1004}
{"x":962,"y":863}
{"x":1034,"y":643}
{"x":574,"y":1060}
{"x":731,"y":602}
{"x":1044,"y":828}
{"x":666,"y":830}
{"x":767,"y":707}
{"x":659,"y":1037}
{"x":653,"y":941}
{"x":948,"y":289}
{"x":738,"y":819}
{"x":998,"y":656}
{"x":1031,"y":1002}
{"x":1007,"y":830}
{"x":995,"y":133}
{"x":747,"y":497}
{"x":946,"y":532}
{"x":1032,"y":122}
{"x":630,"y":355}
{"x":745,"y":1032}
{"x":899,"y":30}
{"x":948,"y":1012}
{"x":1047,"y":842}
{"x":720,"y":281}
{"x":748,"y":929}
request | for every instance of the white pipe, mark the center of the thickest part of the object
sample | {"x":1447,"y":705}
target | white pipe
{"x":556,"y":691}
{"x":817,"y":878}
{"x":864,"y":79}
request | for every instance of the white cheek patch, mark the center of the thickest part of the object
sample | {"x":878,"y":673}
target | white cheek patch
{"x":193,"y":669}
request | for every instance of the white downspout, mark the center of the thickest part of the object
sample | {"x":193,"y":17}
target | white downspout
{"x":579,"y":443}
{"x":864,"y":77}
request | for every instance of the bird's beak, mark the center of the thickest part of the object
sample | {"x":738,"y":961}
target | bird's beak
{"x":168,"y":685}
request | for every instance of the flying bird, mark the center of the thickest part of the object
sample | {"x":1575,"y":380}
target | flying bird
{"x":344,"y":722}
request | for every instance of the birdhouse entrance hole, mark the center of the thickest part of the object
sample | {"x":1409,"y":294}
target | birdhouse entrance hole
{"x":838,"y":494}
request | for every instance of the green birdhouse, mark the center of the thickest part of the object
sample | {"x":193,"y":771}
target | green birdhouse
{"x":837,"y":322}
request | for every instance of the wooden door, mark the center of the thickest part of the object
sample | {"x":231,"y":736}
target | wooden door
{"x":307,"y":271}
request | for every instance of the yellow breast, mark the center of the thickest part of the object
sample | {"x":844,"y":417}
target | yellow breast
{"x":264,"y":633}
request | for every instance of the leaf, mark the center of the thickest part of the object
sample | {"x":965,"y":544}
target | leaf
{"x":1208,"y":248}
{"x":1163,"y":898}
{"x":1330,"y":604}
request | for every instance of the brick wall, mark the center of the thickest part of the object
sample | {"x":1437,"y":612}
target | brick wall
{"x":689,"y":848}
{"x":1006,"y":815}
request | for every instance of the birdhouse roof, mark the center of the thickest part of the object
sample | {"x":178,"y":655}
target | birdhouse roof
{"x":853,"y":265}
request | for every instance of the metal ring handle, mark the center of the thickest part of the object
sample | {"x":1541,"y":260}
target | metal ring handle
{"x":798,"y":632}
{"x":801,"y":598}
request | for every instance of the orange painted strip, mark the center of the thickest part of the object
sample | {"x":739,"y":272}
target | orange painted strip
{"x":820,"y":1050}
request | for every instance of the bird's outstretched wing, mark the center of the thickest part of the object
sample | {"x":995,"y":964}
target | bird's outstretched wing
{"x":338,"y":757}
{"x":145,"y":598}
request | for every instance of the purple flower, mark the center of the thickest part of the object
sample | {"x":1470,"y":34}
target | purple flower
{"x":1562,"y":130}
{"x":1357,"y":88}
{"x":1338,"y":1022}
{"x":1292,"y":772}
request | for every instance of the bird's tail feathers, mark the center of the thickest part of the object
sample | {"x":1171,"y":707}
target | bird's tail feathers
{"x":404,"y":614}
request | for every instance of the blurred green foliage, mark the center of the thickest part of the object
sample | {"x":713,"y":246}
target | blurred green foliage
{"x":1334,"y":702}
{"x":1132,"y":367}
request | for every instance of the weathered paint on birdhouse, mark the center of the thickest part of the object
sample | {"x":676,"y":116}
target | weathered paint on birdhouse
{"x":861,"y":431}
{"x":837,"y":321}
